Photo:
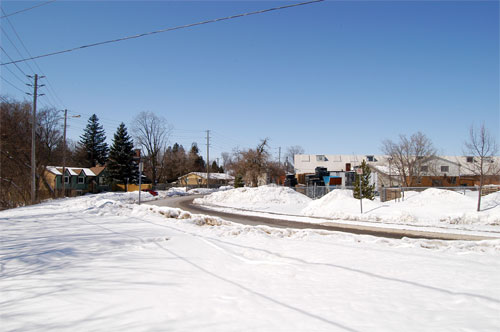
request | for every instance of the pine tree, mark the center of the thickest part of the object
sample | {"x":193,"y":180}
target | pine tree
{"x":366,"y":189}
{"x":93,"y":143}
{"x":121,"y":163}
{"x":238,"y":181}
{"x":214,"y":168}
{"x":197,"y":164}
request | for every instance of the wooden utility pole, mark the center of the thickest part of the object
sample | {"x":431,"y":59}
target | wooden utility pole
{"x":208,"y":158}
{"x":279,"y":157}
{"x":64,"y":152}
{"x":33,"y":130}
{"x":63,"y":178}
{"x":33,"y":135}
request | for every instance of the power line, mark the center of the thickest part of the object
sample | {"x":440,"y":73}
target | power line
{"x":26,"y":9}
{"x":22,"y":71}
{"x":164,"y":30}
{"x":15,"y":47}
{"x":8,"y":82}
{"x":14,"y":74}
{"x":53,"y":93}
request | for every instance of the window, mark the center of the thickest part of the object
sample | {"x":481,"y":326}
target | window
{"x":66,"y":179}
{"x":81,"y":180}
{"x":445,"y":169}
{"x":424,"y":168}
{"x":370,"y":158}
{"x":470,"y":159}
{"x":320,"y":158}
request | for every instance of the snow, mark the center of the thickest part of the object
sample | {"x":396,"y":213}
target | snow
{"x":101,"y":262}
{"x":432,"y":208}
{"x":264,"y":198}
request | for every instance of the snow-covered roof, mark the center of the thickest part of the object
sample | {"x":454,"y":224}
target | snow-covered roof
{"x":57,"y":170}
{"x":216,"y":176}
{"x":53,"y":170}
{"x":385,"y":169}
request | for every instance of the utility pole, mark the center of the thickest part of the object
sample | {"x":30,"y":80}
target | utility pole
{"x":33,"y":135}
{"x":63,"y":177}
{"x":279,"y":157}
{"x":64,"y":152}
{"x":208,"y":158}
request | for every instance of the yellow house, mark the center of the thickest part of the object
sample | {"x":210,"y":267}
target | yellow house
{"x":200,"y":179}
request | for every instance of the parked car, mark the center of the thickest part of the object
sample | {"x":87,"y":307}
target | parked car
{"x":151,"y":191}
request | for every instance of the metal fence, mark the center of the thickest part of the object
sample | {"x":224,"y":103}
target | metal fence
{"x":315,"y":192}
{"x":392,"y":193}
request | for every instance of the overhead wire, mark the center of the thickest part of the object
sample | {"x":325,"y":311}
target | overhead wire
{"x":14,"y":74}
{"x":26,"y":9}
{"x":8,"y":82}
{"x":15,"y":47}
{"x":164,"y":30}
{"x":52,"y":93}
{"x":22,"y":71}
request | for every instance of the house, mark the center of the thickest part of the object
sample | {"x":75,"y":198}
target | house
{"x":340,"y":167}
{"x":200,"y":179}
{"x":101,"y":179}
{"x":77,"y":180}
{"x":440,"y":171}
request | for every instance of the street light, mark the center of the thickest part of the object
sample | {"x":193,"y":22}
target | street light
{"x":64,"y":152}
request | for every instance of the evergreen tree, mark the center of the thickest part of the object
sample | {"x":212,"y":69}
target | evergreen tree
{"x":214,"y":168}
{"x":93,"y":143}
{"x":121,"y":163}
{"x":366,"y":189}
{"x":238,"y":181}
{"x":197,"y":164}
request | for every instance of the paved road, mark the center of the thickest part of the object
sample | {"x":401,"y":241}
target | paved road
{"x":186,"y":203}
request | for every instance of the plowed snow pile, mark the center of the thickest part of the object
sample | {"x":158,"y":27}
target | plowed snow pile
{"x":430,"y":207}
{"x":265,"y":198}
{"x":339,"y":204}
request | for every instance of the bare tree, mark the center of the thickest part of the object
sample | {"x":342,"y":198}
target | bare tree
{"x":15,"y":150}
{"x":291,"y":151}
{"x":151,"y":133}
{"x":226,"y":159}
{"x":409,"y":155}
{"x":482,"y":147}
{"x":251,"y":164}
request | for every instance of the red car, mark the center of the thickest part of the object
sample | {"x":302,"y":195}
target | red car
{"x":151,"y":191}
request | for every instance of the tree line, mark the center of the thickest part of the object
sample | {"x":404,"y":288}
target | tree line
{"x":150,"y":134}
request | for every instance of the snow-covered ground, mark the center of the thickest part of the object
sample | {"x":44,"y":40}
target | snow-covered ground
{"x":103,"y":263}
{"x":432,"y":209}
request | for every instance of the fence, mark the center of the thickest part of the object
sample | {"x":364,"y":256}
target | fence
{"x":392,"y":193}
{"x":315,"y":192}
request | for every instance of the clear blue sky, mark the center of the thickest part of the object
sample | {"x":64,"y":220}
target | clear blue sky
{"x":333,"y":77}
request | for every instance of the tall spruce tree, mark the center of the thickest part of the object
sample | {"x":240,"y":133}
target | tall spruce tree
{"x":197,"y":164}
{"x":93,"y":143}
{"x":121,"y":165}
{"x":366,"y":188}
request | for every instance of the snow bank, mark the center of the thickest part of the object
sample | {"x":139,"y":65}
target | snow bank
{"x":265,"y":198}
{"x":429,"y":207}
{"x":338,"y":204}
